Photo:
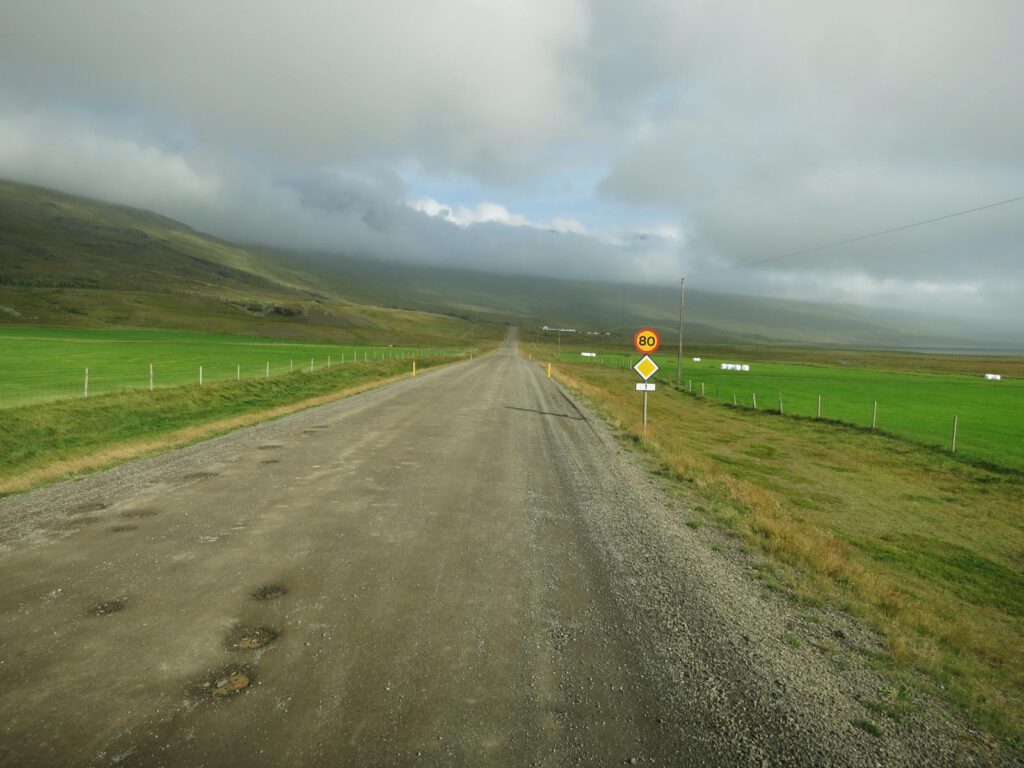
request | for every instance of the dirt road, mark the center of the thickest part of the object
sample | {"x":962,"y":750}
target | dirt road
{"x":458,"y":569}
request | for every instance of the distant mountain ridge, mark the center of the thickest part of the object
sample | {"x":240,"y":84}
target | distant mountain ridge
{"x":67,"y":260}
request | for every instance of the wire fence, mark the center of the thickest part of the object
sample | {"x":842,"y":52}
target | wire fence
{"x":28,"y":381}
{"x":966,"y":415}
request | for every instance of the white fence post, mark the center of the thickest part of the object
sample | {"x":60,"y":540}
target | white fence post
{"x":874,"y":415}
{"x":268,"y":369}
{"x":86,"y":391}
{"x":755,"y":400}
{"x":200,"y":375}
{"x":238,"y":372}
{"x":955,"y":420}
{"x":150,"y":377}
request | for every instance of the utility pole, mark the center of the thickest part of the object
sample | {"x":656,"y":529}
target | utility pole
{"x":679,"y":355}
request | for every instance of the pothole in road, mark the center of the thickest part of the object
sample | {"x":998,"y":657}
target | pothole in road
{"x":139,"y":513}
{"x":271,"y":461}
{"x":270,"y":592}
{"x":270,"y":447}
{"x":251,"y":638}
{"x":225,"y":683}
{"x":123,"y":528}
{"x":108,"y":606}
{"x":92,"y":506}
{"x":198,"y":475}
{"x":77,"y":521}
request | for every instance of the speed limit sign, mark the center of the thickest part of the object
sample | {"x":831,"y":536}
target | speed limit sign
{"x":647,"y":341}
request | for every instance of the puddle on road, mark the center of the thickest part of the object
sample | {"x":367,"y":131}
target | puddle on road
{"x":270,"y":592}
{"x":108,"y":607}
{"x":250,"y":638}
{"x":225,"y":683}
{"x":92,"y":506}
{"x":77,"y":521}
{"x":139,"y":513}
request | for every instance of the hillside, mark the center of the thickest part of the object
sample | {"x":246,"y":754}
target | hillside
{"x":66,"y":260}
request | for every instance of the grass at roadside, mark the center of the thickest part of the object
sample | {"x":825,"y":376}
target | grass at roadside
{"x":43,"y":442}
{"x":916,"y":405}
{"x":927,"y":549}
{"x":38,"y":364}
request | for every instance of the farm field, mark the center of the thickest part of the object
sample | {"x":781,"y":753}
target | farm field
{"x":917,"y":406}
{"x":40,"y":364}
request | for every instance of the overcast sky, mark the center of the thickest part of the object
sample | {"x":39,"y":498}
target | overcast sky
{"x":624,"y":140}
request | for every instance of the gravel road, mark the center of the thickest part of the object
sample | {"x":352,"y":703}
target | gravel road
{"x":465,"y":568}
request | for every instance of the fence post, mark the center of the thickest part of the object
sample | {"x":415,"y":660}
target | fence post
{"x":755,"y":400}
{"x":238,"y":372}
{"x":734,"y":399}
{"x":268,"y":370}
{"x":291,"y":366}
{"x":702,"y":389}
{"x":328,"y":361}
{"x":780,"y":403}
{"x":311,"y":365}
{"x":150,"y":377}
{"x":955,"y":420}
{"x":200,"y":375}
{"x":819,"y":407}
{"x":874,"y":416}
{"x":86,"y":390}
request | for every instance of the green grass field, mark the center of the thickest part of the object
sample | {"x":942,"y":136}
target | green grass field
{"x":918,"y":406}
{"x":39,"y":364}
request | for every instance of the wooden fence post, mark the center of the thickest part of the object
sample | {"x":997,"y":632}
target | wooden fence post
{"x":955,"y":420}
{"x":755,"y":400}
{"x":874,"y":416}
{"x":86,"y":390}
{"x":819,"y":407}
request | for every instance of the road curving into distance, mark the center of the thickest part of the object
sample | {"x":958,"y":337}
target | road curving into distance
{"x":464,"y":568}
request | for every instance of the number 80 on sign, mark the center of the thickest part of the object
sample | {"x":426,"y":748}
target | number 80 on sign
{"x":647,"y":341}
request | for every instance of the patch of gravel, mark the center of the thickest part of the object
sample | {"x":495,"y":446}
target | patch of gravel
{"x":742,"y":668}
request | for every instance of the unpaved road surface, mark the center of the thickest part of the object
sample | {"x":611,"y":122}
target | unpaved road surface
{"x":463,"y":568}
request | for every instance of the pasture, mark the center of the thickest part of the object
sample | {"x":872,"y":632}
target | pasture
{"x":41,"y":364}
{"x":917,"y":406}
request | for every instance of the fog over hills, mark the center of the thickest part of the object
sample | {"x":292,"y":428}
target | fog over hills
{"x":69,"y":260}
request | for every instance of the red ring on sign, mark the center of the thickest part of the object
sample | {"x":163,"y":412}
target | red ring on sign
{"x":646,"y":341}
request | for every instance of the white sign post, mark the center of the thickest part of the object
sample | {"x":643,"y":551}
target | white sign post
{"x":646,"y":368}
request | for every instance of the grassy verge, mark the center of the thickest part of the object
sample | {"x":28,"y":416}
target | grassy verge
{"x":927,"y":549}
{"x":38,"y":364}
{"x":913,"y":404}
{"x":42,"y":443}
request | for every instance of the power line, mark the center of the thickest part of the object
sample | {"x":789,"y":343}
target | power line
{"x":859,"y":238}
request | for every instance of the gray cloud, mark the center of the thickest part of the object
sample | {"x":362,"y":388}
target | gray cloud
{"x":756,"y":129}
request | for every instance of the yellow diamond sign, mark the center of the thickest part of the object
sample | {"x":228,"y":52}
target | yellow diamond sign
{"x":646,"y":367}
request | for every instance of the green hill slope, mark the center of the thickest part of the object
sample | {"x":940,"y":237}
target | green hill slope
{"x":66,"y":260}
